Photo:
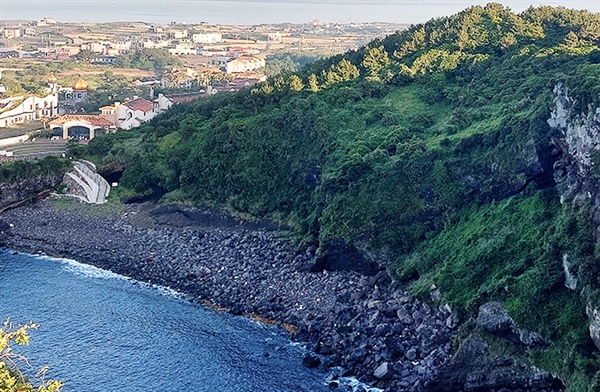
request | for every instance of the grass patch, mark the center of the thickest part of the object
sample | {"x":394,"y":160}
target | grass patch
{"x":111,"y":208}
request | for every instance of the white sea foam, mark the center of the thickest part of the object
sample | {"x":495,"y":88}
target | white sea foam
{"x":163,"y":290}
{"x":356,"y":385}
{"x":89,"y":271}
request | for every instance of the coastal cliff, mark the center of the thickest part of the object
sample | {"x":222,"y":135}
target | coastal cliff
{"x":23,"y":181}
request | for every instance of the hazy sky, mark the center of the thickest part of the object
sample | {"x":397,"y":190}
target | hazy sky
{"x":255,"y":11}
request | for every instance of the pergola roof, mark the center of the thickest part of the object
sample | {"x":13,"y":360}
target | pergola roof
{"x":92,"y":119}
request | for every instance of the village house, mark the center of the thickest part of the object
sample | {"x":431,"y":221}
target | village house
{"x":178,"y":34}
{"x":150,"y":44}
{"x":96,"y":47}
{"x":183,"y":48}
{"x":165,"y":102}
{"x":11,"y":32}
{"x":122,"y":45}
{"x":133,"y":113}
{"x":244,"y":64}
{"x":29,"y":32}
{"x":46,"y":22}
{"x":218,"y":61}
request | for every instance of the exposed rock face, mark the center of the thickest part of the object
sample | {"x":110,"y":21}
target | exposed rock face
{"x":472,"y":369}
{"x":339,"y":255}
{"x":579,"y":142}
{"x":493,"y":318}
{"x":570,"y":279}
{"x":594,"y":315}
{"x":15,"y":192}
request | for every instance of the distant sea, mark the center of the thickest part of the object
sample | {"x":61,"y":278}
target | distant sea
{"x":246,"y":12}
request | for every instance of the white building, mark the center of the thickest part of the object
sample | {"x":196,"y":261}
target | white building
{"x":244,"y":64}
{"x":133,"y":113}
{"x":11,"y":32}
{"x":16,"y":110}
{"x":183,"y":48}
{"x":149,"y":44}
{"x":178,"y":34}
{"x":122,"y":46}
{"x":207,"y":38}
{"x":96,"y":47}
{"x":165,"y":102}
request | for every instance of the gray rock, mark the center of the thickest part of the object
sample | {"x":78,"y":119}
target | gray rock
{"x":435,"y":294}
{"x":311,"y":361}
{"x":404,"y":317}
{"x":411,"y":354}
{"x":570,"y":279}
{"x":382,"y":371}
{"x":530,"y":339}
{"x":594,"y":315}
{"x":494,"y":318}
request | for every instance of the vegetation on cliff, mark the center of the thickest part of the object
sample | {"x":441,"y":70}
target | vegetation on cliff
{"x":11,"y":377}
{"x":430,"y":146}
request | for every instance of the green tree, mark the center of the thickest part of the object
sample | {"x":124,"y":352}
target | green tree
{"x":572,"y":40}
{"x":86,"y":56}
{"x":313,"y":84}
{"x":375,"y":59}
{"x":295,"y":83}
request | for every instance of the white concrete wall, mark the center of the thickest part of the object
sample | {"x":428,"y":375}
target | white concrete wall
{"x":13,"y":140}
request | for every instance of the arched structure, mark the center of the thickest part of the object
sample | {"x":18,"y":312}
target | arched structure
{"x":72,"y":124}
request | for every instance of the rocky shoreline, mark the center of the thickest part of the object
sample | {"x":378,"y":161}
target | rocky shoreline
{"x":367,"y":325}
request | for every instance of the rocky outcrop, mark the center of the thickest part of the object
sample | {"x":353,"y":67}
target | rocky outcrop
{"x":577,"y":171}
{"x":17,"y":192}
{"x":570,"y":279}
{"x":594,"y":315}
{"x":494,"y":318}
{"x":473,"y":369}
{"x":339,"y":255}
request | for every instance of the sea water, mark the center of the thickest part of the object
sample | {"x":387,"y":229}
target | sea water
{"x":253,"y":11}
{"x":100,"y":331}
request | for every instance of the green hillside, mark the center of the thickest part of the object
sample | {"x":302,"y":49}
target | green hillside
{"x":429,"y":148}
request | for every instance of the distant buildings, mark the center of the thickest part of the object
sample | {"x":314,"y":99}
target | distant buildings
{"x":184,"y":48}
{"x":207,"y":38}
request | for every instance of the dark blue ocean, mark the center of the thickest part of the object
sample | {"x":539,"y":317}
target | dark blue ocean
{"x":255,"y":11}
{"x":102,"y":332}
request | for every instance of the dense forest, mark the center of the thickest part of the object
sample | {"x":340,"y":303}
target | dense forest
{"x":429,"y":148}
